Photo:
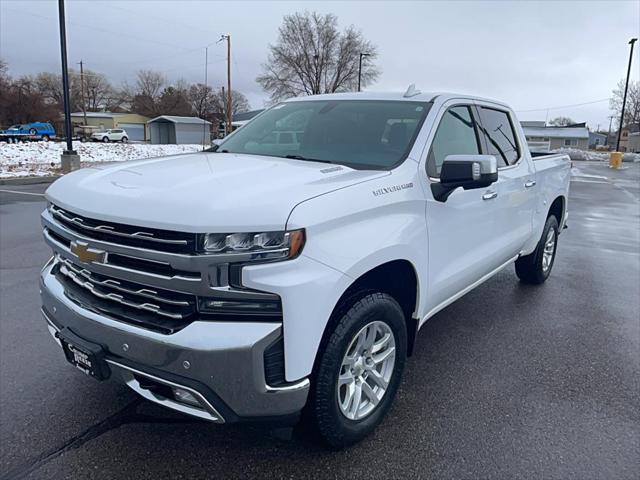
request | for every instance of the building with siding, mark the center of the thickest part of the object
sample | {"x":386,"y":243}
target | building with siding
{"x":543,"y":138}
{"x":134,"y":124}
{"x":171,"y":129}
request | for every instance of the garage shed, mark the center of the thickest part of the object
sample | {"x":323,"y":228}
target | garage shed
{"x":133,"y":123}
{"x":167,"y":129}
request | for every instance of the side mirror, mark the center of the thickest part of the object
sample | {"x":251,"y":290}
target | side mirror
{"x":466,"y":171}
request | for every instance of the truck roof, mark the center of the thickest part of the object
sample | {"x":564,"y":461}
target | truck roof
{"x":415,"y":96}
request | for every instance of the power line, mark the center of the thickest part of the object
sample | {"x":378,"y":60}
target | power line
{"x":563,"y":106}
{"x":171,"y":22}
{"x":93,"y":27}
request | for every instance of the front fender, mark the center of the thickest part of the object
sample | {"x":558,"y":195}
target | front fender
{"x":349,"y":232}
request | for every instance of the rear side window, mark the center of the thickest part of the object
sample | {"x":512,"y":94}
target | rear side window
{"x":499,"y":136}
{"x":456,"y":135}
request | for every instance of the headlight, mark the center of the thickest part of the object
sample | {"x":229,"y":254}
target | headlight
{"x":266,"y":245}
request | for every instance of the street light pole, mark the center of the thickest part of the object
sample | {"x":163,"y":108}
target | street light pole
{"x":360,"y":67}
{"x":65,"y":75}
{"x":69,"y":159}
{"x":624,"y":97}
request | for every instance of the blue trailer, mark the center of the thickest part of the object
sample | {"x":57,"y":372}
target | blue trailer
{"x":28,"y":132}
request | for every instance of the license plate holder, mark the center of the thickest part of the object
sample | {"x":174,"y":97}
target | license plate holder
{"x":88,"y":357}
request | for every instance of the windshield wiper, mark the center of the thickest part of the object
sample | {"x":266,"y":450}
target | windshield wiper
{"x":300,"y":157}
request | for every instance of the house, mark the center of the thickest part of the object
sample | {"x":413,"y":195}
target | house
{"x":134,"y":124}
{"x":597,"y":139}
{"x":167,"y":129}
{"x":545,"y":138}
{"x":633,"y":142}
{"x":239,"y":119}
{"x":627,"y":139}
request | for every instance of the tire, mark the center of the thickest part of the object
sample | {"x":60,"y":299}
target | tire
{"x":105,"y":139}
{"x":332,"y":413}
{"x":124,"y":139}
{"x":83,"y":139}
{"x":33,"y":131}
{"x":536,"y":267}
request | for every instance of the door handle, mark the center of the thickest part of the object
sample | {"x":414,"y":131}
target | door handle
{"x":489,"y":195}
{"x":529,"y":183}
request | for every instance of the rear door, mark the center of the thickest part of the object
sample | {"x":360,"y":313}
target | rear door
{"x":464,"y":239}
{"x":516,"y":188}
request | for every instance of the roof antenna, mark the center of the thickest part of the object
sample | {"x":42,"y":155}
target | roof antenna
{"x":411,"y":91}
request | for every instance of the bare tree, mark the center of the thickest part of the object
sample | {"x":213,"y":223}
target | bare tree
{"x":312,"y":56}
{"x":98,"y":91}
{"x":201,"y":97}
{"x":561,"y":121}
{"x":239,"y":103}
{"x":145,"y":94}
{"x":632,"y":108}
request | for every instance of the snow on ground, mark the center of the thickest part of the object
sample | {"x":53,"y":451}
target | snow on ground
{"x":43,"y":158}
{"x":576,"y":154}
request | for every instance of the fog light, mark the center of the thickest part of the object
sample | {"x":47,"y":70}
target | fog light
{"x":185,"y":396}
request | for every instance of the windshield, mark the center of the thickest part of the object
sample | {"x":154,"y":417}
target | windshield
{"x":362,"y":134}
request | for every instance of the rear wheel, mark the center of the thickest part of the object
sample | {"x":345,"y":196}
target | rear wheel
{"x":124,"y":140}
{"x":536,"y":267}
{"x":359,"y":371}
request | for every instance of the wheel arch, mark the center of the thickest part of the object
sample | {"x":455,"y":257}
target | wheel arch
{"x":557,"y":209}
{"x":397,"y":278}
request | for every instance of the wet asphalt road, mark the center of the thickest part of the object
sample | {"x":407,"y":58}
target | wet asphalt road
{"x":509,"y":382}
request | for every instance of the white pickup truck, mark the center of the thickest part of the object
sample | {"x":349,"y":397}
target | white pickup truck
{"x":290,"y":267}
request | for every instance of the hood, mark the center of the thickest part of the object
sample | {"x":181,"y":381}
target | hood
{"x":202,"y":192}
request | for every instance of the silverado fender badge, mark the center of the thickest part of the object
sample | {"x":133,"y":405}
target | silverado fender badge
{"x":393,"y":188}
{"x":87,"y":254}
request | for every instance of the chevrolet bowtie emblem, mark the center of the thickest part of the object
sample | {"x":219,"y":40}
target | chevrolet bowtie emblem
{"x":86,"y":254}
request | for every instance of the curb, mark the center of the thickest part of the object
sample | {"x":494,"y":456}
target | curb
{"x":28,"y":180}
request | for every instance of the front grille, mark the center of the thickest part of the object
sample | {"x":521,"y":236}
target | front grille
{"x":151,"y":238}
{"x":133,"y":263}
{"x":156,"y":309}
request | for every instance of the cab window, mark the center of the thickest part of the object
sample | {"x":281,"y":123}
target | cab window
{"x":499,"y":136}
{"x":456,"y":135}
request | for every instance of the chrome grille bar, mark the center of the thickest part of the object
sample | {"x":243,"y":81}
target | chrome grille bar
{"x":79,"y":222}
{"x":86,"y":284}
{"x":117,"y":285}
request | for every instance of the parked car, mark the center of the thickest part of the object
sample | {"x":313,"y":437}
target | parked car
{"x":262,"y":278}
{"x":37,"y":130}
{"x":111,"y":135}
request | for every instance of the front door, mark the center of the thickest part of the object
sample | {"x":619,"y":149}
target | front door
{"x":464,"y":239}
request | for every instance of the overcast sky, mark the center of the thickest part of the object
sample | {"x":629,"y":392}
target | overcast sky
{"x":533,"y":55}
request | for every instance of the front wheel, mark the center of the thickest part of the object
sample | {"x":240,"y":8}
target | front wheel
{"x":535,"y":268}
{"x":359,"y":371}
{"x":105,"y":139}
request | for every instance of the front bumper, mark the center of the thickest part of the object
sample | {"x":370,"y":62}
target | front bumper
{"x":220,"y":363}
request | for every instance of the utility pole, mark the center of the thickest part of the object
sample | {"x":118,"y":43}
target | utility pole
{"x":360,"y":67}
{"x":223,"y":109}
{"x":624,"y":98}
{"x":84,"y":103}
{"x":229,"y":104}
{"x":611,"y":117}
{"x":70,"y":160}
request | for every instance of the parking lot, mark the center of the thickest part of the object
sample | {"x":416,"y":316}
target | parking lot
{"x":511,"y":381}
